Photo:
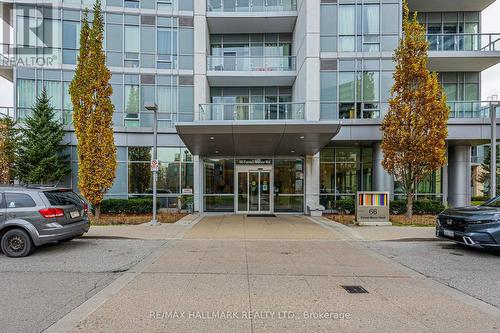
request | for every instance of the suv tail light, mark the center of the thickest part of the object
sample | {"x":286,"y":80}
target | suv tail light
{"x":85,"y":208}
{"x":51,"y":212}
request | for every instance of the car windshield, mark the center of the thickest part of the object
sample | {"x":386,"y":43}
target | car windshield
{"x":495,"y":202}
{"x":63,"y":198}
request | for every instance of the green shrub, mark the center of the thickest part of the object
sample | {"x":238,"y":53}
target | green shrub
{"x":480,"y":198}
{"x":422,"y":207}
{"x":345,"y":205}
{"x":127,"y":206}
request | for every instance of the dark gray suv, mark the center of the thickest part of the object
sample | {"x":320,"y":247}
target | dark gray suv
{"x":33,"y":216}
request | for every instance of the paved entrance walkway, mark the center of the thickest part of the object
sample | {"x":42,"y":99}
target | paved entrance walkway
{"x":237,"y":274}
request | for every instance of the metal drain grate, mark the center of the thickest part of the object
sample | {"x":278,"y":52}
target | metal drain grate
{"x":261,"y":215}
{"x":355,"y":289}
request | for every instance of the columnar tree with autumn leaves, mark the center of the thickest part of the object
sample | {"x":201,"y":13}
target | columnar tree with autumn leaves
{"x":415,"y":127}
{"x":93,"y":110}
{"x":9,"y":140}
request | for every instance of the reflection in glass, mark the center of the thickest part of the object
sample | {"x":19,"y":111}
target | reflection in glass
{"x":243,"y":191}
{"x":265,"y":192}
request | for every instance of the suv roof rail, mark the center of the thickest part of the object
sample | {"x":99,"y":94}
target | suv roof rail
{"x":41,"y":186}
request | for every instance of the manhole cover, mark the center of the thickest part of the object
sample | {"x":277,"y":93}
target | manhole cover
{"x":355,"y":289}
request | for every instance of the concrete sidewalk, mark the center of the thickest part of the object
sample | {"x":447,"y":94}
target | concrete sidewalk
{"x":238,"y":274}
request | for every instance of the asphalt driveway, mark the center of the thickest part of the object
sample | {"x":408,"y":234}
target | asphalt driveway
{"x":37,"y":291}
{"x":473,"y":271}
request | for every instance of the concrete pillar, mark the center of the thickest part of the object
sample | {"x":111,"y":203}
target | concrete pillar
{"x":312,"y":180}
{"x":444,"y":181}
{"x":201,"y":42}
{"x":198,"y":183}
{"x":382,"y":181}
{"x":459,"y":176}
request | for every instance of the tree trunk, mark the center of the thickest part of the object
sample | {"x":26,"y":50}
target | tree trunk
{"x":409,"y":206}
{"x":97,"y":210}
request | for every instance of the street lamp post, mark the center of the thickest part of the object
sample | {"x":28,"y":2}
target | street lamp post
{"x":153,"y":107}
{"x":493,"y":145}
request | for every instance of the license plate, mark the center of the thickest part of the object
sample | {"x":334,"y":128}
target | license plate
{"x":449,"y":233}
{"x":74,"y":214}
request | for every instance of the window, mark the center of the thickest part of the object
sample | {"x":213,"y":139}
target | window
{"x":131,"y":98}
{"x":132,"y":3}
{"x":347,"y":86}
{"x":2,"y":201}
{"x":26,"y":93}
{"x":19,"y":200}
{"x":165,"y":4}
{"x":347,"y":28}
{"x":63,"y":198}
{"x":371,"y":19}
{"x":167,"y":44}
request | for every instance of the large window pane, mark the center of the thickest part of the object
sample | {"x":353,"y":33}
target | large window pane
{"x":167,"y":99}
{"x":26,"y":93}
{"x":328,"y":86}
{"x":390,"y":18}
{"x":347,"y":20}
{"x":219,"y":176}
{"x":114,"y":37}
{"x":328,"y":19}
{"x":70,"y":34}
{"x":346,"y":86}
{"x":168,"y":178}
{"x":139,"y":178}
{"x":53,"y":89}
{"x":132,"y":44}
{"x":288,"y":177}
{"x":371,"y":19}
{"x":370,"y":86}
{"x":131,"y":98}
{"x":347,"y":177}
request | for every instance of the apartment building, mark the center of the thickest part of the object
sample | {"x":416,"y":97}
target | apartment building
{"x":263,"y":105}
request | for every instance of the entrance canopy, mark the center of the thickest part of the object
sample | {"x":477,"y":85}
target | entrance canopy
{"x":257,"y":138}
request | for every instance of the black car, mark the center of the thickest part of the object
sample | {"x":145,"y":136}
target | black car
{"x":476,"y":226}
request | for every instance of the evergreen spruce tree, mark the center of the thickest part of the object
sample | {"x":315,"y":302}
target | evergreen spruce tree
{"x":40,"y":157}
{"x":93,"y":110}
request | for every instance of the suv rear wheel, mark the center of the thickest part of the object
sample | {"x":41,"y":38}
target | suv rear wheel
{"x":17,"y":243}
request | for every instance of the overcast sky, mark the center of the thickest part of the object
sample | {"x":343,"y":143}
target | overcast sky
{"x":490,"y":77}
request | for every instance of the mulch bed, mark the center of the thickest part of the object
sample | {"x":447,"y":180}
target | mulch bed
{"x":397,"y":220}
{"x":133,"y":219}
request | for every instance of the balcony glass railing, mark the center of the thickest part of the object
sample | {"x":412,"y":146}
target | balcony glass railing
{"x":471,"y":109}
{"x":458,"y":110}
{"x":251,"y":5}
{"x":6,"y":111}
{"x":251,"y":64}
{"x":252,"y":111}
{"x":464,"y":42}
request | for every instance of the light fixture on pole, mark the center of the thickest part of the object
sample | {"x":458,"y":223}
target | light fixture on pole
{"x":154,"y":162}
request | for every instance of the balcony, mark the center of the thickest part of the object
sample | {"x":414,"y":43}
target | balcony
{"x":255,"y":129}
{"x":251,"y":111}
{"x":463,"y":52}
{"x":251,"y":16}
{"x":468,"y":123}
{"x":448,"y":5}
{"x":250,"y":71}
{"x":7,"y":111}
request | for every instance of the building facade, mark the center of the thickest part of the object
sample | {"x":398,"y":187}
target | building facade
{"x":263,"y":105}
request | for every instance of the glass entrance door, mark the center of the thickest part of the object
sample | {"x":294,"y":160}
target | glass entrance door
{"x":254,"y":191}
